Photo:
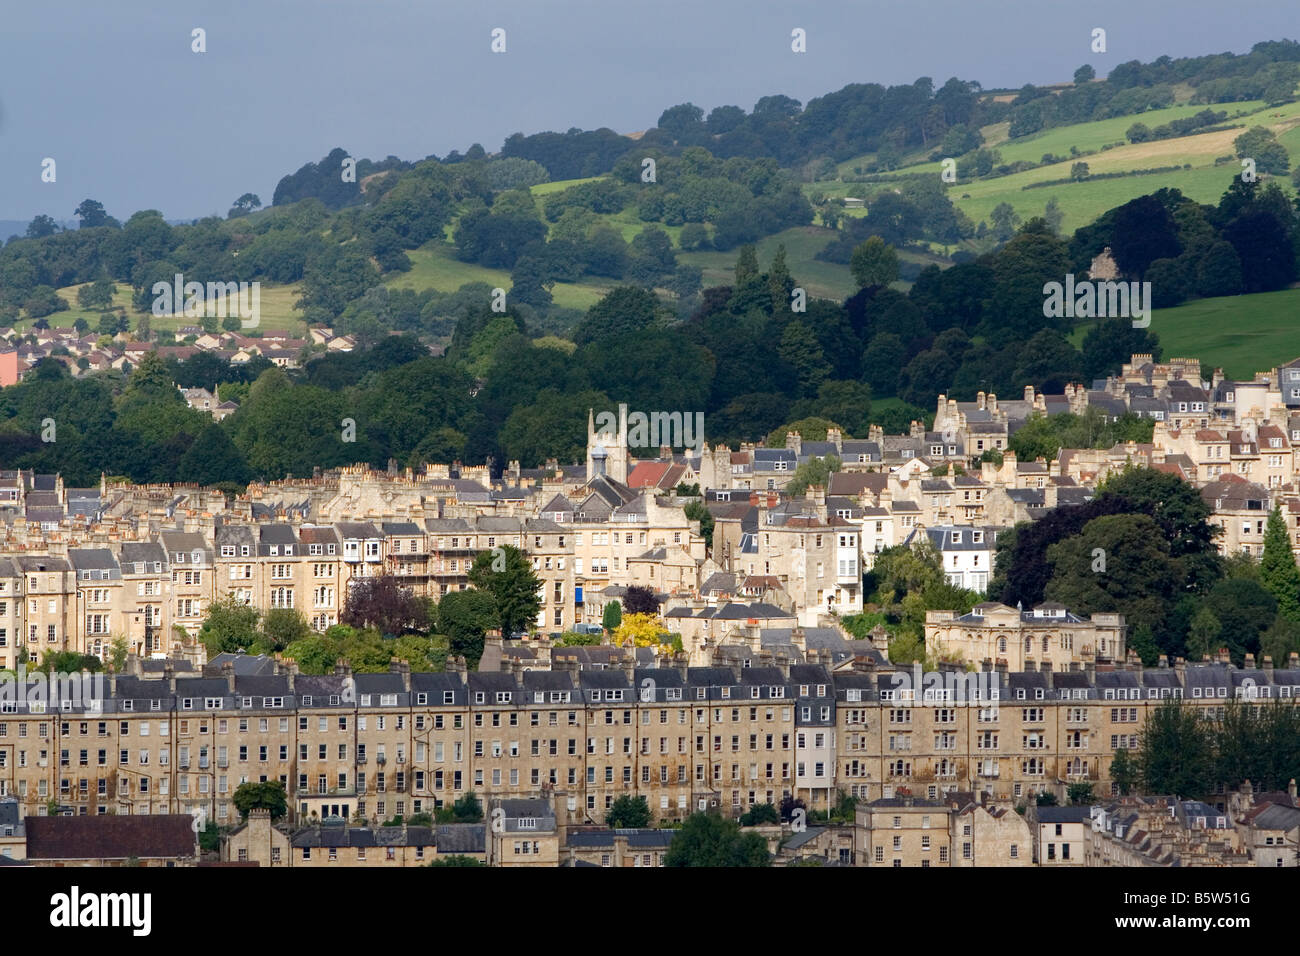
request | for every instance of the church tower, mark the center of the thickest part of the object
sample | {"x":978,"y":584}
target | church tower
{"x":606,"y":448}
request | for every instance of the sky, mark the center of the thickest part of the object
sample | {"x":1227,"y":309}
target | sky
{"x":132,"y":117}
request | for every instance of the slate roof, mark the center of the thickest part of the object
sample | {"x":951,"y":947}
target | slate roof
{"x":114,"y":836}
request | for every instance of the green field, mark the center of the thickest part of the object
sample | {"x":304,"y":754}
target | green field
{"x":1083,"y":202}
{"x":821,"y":279}
{"x":1242,"y":334}
{"x":433,"y":266}
{"x":546,"y":189}
{"x":276,"y":302}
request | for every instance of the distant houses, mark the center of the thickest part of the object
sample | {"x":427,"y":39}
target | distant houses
{"x":83,"y":354}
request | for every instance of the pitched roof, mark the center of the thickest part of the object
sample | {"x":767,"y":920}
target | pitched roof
{"x":111,"y":837}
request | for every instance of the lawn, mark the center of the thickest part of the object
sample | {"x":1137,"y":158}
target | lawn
{"x":1242,"y":334}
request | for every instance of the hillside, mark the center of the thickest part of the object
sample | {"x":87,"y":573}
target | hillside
{"x":1242,"y":334}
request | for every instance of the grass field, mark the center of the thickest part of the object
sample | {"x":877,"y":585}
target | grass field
{"x":1242,"y":334}
{"x":276,"y":302}
{"x":821,"y":279}
{"x":1083,"y":202}
{"x":433,"y":266}
{"x":546,"y":189}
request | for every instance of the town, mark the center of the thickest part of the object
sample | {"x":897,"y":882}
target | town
{"x":755,"y":695}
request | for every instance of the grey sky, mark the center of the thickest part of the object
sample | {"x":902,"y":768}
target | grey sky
{"x":133,"y":118}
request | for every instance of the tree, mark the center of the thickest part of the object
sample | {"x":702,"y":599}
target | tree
{"x":760,"y":814}
{"x":612,"y":616}
{"x":281,"y":626}
{"x":1138,"y":133}
{"x":244,"y":205}
{"x":92,"y":214}
{"x":1177,"y":506}
{"x":269,"y":795}
{"x":883,"y":358}
{"x":1084,"y":74}
{"x":779,"y":281}
{"x":706,"y":839}
{"x":809,"y":429}
{"x":628,"y":812}
{"x":874,"y":264}
{"x":640,"y":600}
{"x":465,"y":618}
{"x":800,"y":349}
{"x":230,"y":626}
{"x":1054,"y":215}
{"x":385,"y":603}
{"x":212,"y":459}
{"x":574,"y":639}
{"x":508,"y":576}
{"x":1004,"y":219}
{"x":1245,"y":609}
{"x":1143,"y":231}
{"x":117,"y":654}
{"x":1219,"y":271}
{"x":1177,"y":752}
{"x":1124,"y":771}
{"x":1080,"y":794}
{"x":814,"y":471}
{"x":693,"y":237}
{"x":467,"y":809}
{"x":1143,"y":644}
{"x":457,"y":859}
{"x":1046,"y":799}
{"x":623,"y":309}
{"x":1280,"y":640}
{"x":42,"y":226}
{"x":1277,"y":568}
{"x":698,"y":511}
{"x":1260,"y":144}
{"x":639,"y":630}
{"x":746,"y":265}
{"x":1117,"y":563}
{"x":97,"y":295}
{"x":1079,"y":171}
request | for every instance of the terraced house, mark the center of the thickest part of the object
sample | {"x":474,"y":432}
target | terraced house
{"x":685,"y":738}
